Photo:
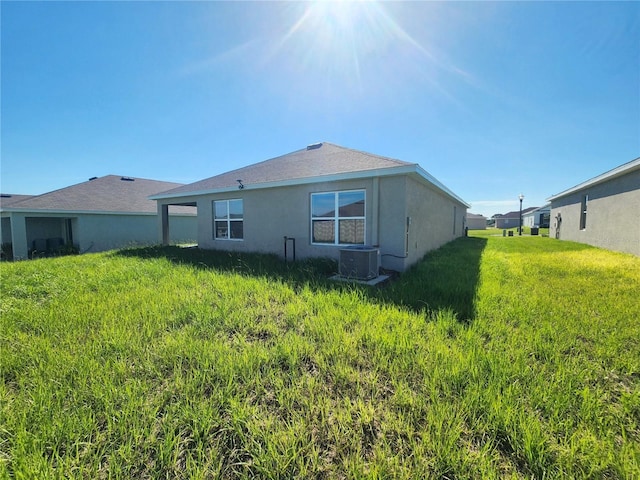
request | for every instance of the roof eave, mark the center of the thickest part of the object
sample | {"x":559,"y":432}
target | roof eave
{"x":293,"y":182}
{"x":72,"y":212}
{"x":379,"y":172}
{"x":607,"y":176}
{"x":431,"y":179}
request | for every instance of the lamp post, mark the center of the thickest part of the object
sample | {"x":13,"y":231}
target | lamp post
{"x":521,"y":196}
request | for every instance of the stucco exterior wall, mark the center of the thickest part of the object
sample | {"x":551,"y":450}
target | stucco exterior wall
{"x":94,"y":232}
{"x":184,"y":229}
{"x":392,"y":222}
{"x":435,"y":219}
{"x":534,"y":219}
{"x":507,"y":222}
{"x":529,"y":220}
{"x":613,"y":215}
{"x":477,"y":223}
{"x":271,"y":214}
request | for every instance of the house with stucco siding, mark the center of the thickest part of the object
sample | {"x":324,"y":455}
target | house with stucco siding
{"x":326,"y":197}
{"x":603,"y":211}
{"x":476,"y":221}
{"x":100,"y":214}
{"x":538,"y":217}
{"x":511,"y":219}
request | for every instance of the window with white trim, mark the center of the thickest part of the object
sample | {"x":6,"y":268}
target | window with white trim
{"x":228,"y":223}
{"x":338,"y":218}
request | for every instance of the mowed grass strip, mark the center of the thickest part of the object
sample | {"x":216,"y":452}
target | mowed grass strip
{"x":492,"y":358}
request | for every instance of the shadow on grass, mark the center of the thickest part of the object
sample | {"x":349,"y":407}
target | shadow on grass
{"x":444,"y":279}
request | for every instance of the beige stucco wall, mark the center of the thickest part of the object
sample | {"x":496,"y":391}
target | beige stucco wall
{"x":477,"y":223}
{"x":271,"y":214}
{"x":435,"y":219}
{"x":95,"y":232}
{"x":393,"y":222}
{"x":613,"y":215}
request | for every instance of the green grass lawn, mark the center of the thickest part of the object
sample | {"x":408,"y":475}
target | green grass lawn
{"x":514,"y":357}
{"x":496,"y":232}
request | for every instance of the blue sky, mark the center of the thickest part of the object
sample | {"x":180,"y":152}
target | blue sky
{"x":493,"y":99}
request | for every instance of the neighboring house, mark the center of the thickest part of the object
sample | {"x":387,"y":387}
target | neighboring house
{"x":326,"y":197}
{"x":476,"y":222}
{"x":511,"y":219}
{"x":100,"y":214}
{"x":538,"y":217}
{"x":7,"y":199}
{"x":603,"y":211}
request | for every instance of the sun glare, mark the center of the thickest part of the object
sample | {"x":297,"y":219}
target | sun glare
{"x":340,"y":51}
{"x":357,"y":47}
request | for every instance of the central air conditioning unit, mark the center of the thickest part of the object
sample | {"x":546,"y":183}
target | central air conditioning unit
{"x":359,"y":262}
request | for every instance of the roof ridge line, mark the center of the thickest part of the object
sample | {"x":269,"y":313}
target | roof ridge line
{"x":369,"y":154}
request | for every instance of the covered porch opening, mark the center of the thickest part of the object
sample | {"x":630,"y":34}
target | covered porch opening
{"x":48,"y":235}
{"x":165,"y":212}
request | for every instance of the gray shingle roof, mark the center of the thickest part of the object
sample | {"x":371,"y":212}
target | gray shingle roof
{"x":7,"y":199}
{"x":538,"y":209}
{"x":323,"y":160}
{"x":111,"y":193}
{"x":516,"y":213}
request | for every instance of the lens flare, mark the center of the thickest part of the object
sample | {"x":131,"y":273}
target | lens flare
{"x":343,"y":52}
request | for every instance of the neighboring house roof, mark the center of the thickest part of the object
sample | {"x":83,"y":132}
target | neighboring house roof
{"x":544,"y":208}
{"x":7,"y":199}
{"x":108,"y":194}
{"x":318,"y":162}
{"x":475,"y":215}
{"x":609,"y":175}
{"x":516,"y":213}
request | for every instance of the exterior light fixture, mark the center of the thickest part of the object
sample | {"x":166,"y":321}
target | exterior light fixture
{"x":521,"y":197}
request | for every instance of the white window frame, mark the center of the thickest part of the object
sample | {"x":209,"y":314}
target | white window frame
{"x":228,"y":220}
{"x":336,"y":218}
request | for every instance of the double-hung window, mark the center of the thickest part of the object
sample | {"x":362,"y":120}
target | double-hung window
{"x":338,"y":218}
{"x":228,"y":220}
